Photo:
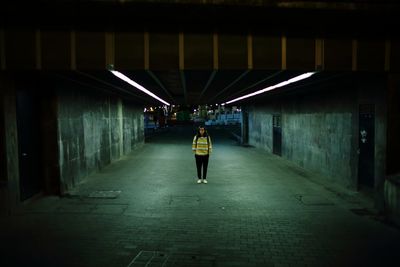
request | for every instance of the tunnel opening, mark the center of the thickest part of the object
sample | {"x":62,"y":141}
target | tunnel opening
{"x":95,"y":171}
{"x":83,"y":108}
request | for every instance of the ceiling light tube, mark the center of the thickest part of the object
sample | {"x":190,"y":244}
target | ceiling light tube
{"x":136,"y":85}
{"x":269,"y":88}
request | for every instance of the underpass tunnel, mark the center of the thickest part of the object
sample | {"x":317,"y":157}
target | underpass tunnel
{"x":97,"y":121}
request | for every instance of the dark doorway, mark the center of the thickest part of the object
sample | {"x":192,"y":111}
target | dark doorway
{"x":366,"y":141}
{"x":28,"y":143}
{"x":276,"y":134}
{"x":3,"y":158}
{"x":245,"y":127}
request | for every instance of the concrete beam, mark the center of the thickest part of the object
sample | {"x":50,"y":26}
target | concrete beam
{"x":38,"y":42}
{"x":209,"y":81}
{"x":215,"y":51}
{"x":110,"y":49}
{"x":73,"y":50}
{"x":388,"y":47}
{"x":181,"y":51}
{"x":146,"y":51}
{"x":284,"y":53}
{"x":311,"y":17}
{"x":354,"y":55}
{"x":319,"y":54}
{"x":35,"y":50}
{"x":249,"y":51}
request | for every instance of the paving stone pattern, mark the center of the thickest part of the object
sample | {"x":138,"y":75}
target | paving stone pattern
{"x":255,"y":211}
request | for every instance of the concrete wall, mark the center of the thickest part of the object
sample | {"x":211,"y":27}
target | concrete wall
{"x":393,"y":149}
{"x":320,"y":142}
{"x":320,"y":126}
{"x":81,"y":131}
{"x":392,"y":198}
{"x":260,"y":127}
{"x":9,"y":187}
{"x":3,"y":156}
{"x":94,"y":129}
{"x":392,"y":183}
{"x":133,"y":128}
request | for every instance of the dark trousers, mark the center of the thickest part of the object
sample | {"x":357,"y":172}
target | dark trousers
{"x":202,"y":161}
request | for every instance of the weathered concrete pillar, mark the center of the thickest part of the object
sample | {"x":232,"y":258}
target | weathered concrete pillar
{"x":391,"y":188}
{"x":380,"y":146}
{"x":50,"y":164}
{"x":393,"y":128}
{"x":3,"y":155}
{"x":245,"y":126}
{"x":121,"y":128}
{"x":392,"y":198}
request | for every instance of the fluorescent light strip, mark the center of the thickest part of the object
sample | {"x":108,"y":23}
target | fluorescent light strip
{"x":293,"y":80}
{"x":138,"y":86}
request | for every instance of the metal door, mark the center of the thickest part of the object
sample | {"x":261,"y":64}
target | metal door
{"x":276,"y":135}
{"x":366,"y":142}
{"x":3,"y":158}
{"x":245,"y":127}
{"x":28,"y":144}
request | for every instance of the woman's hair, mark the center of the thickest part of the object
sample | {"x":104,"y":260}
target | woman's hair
{"x":205,"y":131}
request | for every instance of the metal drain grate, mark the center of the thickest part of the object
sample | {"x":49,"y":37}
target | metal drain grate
{"x":158,"y":258}
{"x":190,"y":259}
{"x":149,"y":258}
{"x":313,"y":200}
{"x":104,"y":194}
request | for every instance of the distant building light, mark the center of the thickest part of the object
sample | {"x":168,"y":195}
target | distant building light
{"x":269,"y":88}
{"x":136,"y":85}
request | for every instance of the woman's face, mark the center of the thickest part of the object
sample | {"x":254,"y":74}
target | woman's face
{"x":202,"y":131}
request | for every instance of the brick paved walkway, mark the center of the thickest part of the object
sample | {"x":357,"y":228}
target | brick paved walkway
{"x":256,"y":210}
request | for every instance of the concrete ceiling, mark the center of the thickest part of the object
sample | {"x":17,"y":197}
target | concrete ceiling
{"x":272,"y":16}
{"x":196,"y":52}
{"x":191,"y":87}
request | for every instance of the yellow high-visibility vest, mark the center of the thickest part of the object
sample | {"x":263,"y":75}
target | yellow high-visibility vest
{"x":203,"y":145}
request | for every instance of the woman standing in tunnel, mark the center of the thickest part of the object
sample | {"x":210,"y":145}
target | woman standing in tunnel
{"x":202,"y":149}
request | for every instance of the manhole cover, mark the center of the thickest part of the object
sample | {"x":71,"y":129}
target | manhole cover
{"x":104,"y":194}
{"x":311,"y":200}
{"x":149,"y":258}
{"x":191,"y":259}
